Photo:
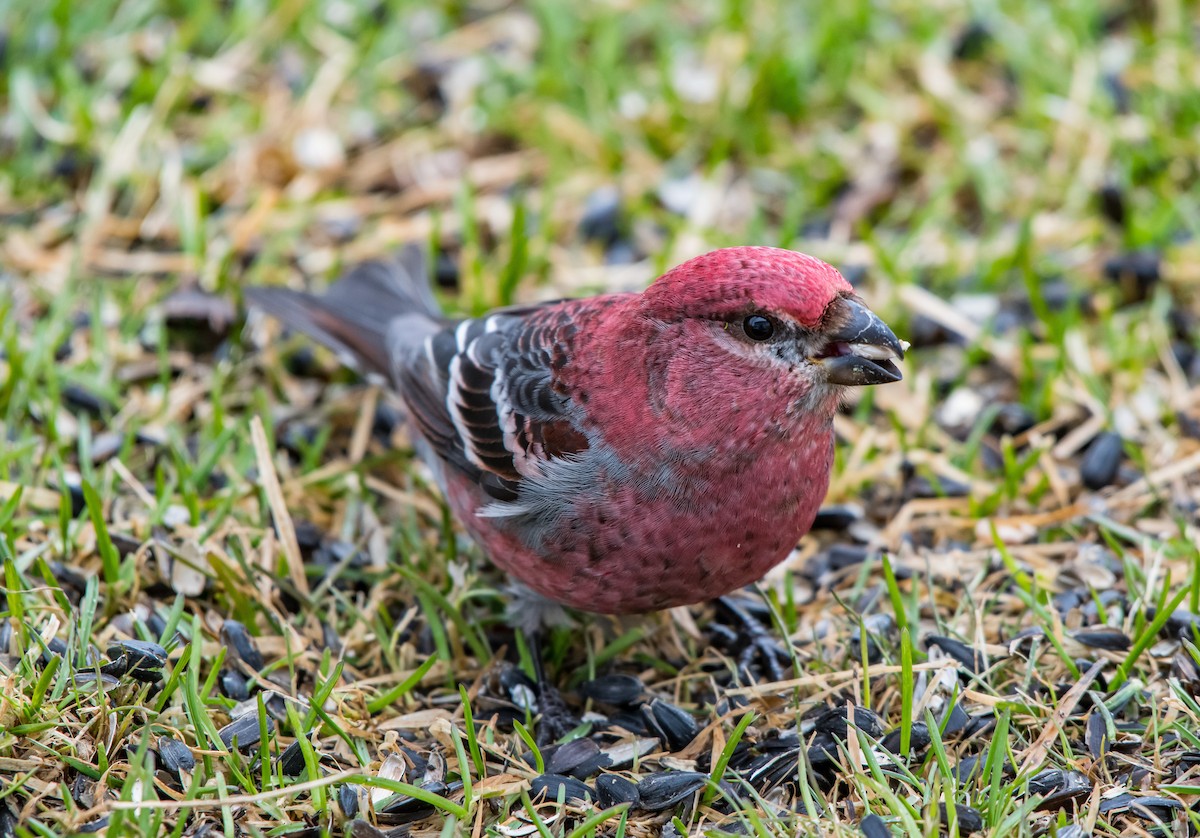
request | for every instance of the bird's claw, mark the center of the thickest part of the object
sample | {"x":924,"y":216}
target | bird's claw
{"x":771,"y":655}
{"x":757,"y":645}
{"x":556,"y":719}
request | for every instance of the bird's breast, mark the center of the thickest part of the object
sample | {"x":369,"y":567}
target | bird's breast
{"x":672,"y":534}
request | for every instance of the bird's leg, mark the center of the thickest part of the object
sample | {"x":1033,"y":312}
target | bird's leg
{"x":533,"y":615}
{"x":774,"y":657}
{"x":556,"y":719}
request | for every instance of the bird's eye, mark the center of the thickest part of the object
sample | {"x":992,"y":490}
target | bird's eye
{"x":758,"y":327}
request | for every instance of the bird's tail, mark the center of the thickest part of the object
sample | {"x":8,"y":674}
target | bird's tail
{"x":353,"y":318}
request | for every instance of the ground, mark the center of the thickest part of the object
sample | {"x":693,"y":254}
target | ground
{"x":234,"y":603}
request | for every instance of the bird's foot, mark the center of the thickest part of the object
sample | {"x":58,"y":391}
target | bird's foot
{"x":556,"y":719}
{"x":757,"y":649}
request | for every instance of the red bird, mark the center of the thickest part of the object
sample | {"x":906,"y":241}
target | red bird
{"x":630,"y":452}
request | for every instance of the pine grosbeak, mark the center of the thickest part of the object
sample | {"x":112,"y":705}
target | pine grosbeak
{"x":629,"y":452}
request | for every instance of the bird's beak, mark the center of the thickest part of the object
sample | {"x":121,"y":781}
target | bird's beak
{"x":860,"y":348}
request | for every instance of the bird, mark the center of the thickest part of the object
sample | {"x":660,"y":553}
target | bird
{"x":629,"y":452}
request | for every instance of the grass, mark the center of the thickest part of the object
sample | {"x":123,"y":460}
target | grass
{"x":1013,"y":186}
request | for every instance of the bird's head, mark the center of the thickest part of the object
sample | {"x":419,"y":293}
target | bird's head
{"x":779,"y":308}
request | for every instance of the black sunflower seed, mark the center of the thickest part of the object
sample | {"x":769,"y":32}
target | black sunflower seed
{"x":580,"y":758}
{"x":968,"y":657}
{"x":385,"y":420}
{"x":1185,"y":668}
{"x":1050,"y":780}
{"x":1064,"y":798}
{"x":276,"y":706}
{"x":520,"y":688}
{"x":873,"y":826}
{"x":155,"y":622}
{"x":929,"y":487}
{"x":837,"y":517}
{"x":833,"y":722}
{"x":1103,"y":637}
{"x":348,"y":799}
{"x":955,"y":722}
{"x":1072,"y":830}
{"x":145,"y":659}
{"x":445,"y":270}
{"x":358,"y":828}
{"x":244,"y":733}
{"x":617,"y":690}
{"x":234,"y":685}
{"x":95,"y":826}
{"x":1100,"y":462}
{"x":972,"y":41}
{"x":979,"y":724}
{"x":868,"y":645}
{"x":841,"y":556}
{"x":1116,"y":803}
{"x":1136,"y":272}
{"x":674,"y":725}
{"x":918,"y":739}
{"x":86,"y":678}
{"x":1154,"y":808}
{"x":823,"y":751}
{"x":659,"y":792}
{"x":781,"y":741}
{"x":613,"y":790}
{"x":194,"y":309}
{"x":56,"y":647}
{"x":969,"y":819}
{"x":116,"y":668}
{"x":548,"y":786}
{"x":1066,"y":601}
{"x":731,"y":702}
{"x":291,"y":761}
{"x":632,"y":721}
{"x":174,"y":755}
{"x":1127,"y":744}
{"x":84,"y":400}
{"x":601,"y":221}
{"x":402,"y":807}
{"x":1180,"y":624}
{"x":1097,"y":735}
{"x":621,"y":252}
{"x":1012,"y":419}
{"x":623,"y":754}
{"x":768,"y":770}
{"x":1109,"y":599}
{"x":1112,"y":203}
{"x":969,"y":767}
{"x":238,"y":640}
{"x":308,"y":536}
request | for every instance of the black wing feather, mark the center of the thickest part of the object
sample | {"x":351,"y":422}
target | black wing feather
{"x":488,"y":395}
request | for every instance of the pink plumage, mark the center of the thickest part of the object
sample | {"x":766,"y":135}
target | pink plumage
{"x":630,"y":452}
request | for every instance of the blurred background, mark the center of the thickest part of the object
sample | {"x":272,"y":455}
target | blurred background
{"x":966,"y":147}
{"x":1008,"y":177}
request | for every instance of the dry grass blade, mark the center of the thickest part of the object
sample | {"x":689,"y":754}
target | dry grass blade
{"x":279,"y":510}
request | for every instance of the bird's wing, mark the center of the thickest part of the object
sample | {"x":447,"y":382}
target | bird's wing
{"x":486,"y":396}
